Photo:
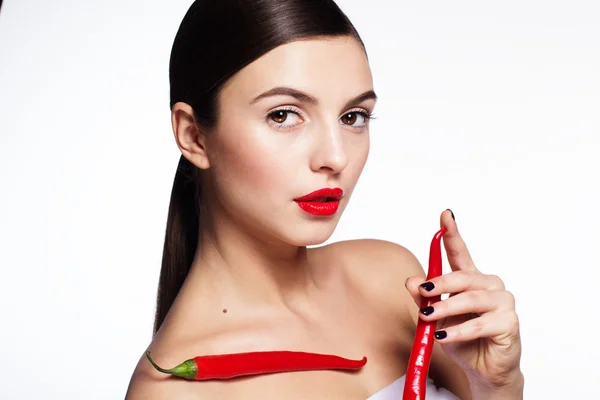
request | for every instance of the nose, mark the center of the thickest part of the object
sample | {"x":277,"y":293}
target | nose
{"x":329,"y":153}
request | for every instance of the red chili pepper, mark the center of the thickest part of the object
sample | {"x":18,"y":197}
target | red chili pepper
{"x":420,"y":356}
{"x":226,"y":366}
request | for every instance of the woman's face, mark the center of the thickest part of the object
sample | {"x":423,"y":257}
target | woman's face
{"x":292,"y":122}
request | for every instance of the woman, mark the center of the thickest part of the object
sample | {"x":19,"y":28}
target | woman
{"x":270,"y":102}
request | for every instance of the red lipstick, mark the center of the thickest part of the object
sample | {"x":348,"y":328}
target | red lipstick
{"x":322,"y":202}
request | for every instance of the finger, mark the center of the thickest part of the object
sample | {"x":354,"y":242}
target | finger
{"x":412,"y":285}
{"x":499,"y":325}
{"x":460,"y":281}
{"x":472,"y":302}
{"x":456,"y":249}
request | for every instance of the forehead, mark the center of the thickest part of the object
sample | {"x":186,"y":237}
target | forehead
{"x":325,"y":68}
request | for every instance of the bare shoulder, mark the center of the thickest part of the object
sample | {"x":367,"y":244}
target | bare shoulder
{"x":377,"y":260}
{"x":377,"y":251}
{"x":378,"y":269}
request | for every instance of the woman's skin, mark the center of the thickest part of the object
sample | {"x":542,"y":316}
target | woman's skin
{"x":254,"y":285}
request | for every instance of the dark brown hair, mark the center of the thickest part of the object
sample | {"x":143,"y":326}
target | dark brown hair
{"x":215,"y":40}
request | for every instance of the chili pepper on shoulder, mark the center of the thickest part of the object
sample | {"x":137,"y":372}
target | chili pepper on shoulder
{"x":227,"y":366}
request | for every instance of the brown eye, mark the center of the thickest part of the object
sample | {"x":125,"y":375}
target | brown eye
{"x":350,"y":118}
{"x":279,"y":116}
{"x":284,"y":119}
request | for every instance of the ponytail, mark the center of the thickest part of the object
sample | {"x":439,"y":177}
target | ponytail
{"x":181,"y":237}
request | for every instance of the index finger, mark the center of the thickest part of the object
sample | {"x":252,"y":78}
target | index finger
{"x":456,"y":249}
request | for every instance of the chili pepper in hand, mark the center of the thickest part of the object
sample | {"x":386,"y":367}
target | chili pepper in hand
{"x":226,"y":366}
{"x":420,"y":356}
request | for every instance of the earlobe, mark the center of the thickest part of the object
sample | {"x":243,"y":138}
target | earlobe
{"x":190,"y":140}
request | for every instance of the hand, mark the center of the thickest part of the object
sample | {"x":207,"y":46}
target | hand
{"x":477,"y":325}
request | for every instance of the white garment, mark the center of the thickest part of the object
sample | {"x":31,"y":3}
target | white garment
{"x":394,"y":391}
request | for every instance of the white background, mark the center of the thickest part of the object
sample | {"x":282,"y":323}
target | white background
{"x":489,"y":108}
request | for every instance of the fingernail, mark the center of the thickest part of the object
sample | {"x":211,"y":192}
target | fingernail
{"x":427,"y":310}
{"x":429,"y":286}
{"x":440,"y":335}
{"x":451,"y":213}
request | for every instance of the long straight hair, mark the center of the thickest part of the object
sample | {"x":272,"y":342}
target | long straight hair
{"x":215,"y":40}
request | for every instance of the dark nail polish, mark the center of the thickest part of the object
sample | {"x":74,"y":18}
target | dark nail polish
{"x":451,"y":213}
{"x":429,"y":286}
{"x":440,"y":334}
{"x":427,"y":310}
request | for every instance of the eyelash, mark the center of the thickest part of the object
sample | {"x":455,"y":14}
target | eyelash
{"x":364,"y":113}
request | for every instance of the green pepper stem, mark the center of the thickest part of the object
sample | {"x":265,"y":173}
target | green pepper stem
{"x":166,"y":371}
{"x":187,"y":369}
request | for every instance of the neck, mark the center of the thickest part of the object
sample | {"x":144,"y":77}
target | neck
{"x":235,"y":266}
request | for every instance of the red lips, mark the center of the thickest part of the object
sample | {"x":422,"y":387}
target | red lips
{"x":322,"y":202}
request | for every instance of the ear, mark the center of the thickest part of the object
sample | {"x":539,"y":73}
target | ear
{"x":189,"y":138}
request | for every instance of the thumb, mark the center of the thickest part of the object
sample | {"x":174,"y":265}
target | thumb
{"x":412,"y":285}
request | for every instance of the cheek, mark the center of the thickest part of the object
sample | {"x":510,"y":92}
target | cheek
{"x":358,"y":157}
{"x":248,"y":169}
{"x":364,"y":154}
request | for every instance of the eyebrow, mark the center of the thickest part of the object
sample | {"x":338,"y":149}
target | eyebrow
{"x":306,"y":98}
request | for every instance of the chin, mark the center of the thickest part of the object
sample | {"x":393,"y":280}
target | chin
{"x":313,"y":233}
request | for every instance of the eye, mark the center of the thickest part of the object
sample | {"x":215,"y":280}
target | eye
{"x":279,"y":116}
{"x":356,"y":119}
{"x":284,"y":118}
